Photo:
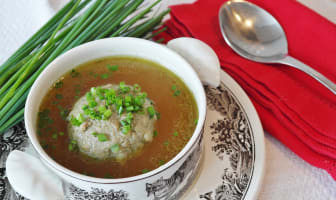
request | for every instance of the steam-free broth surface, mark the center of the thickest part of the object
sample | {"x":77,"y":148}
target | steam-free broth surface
{"x":172,"y":100}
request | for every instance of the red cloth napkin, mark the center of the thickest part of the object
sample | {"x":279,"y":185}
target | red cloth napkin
{"x":292,"y":106}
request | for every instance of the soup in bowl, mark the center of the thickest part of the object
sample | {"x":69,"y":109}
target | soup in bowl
{"x":121,"y":115}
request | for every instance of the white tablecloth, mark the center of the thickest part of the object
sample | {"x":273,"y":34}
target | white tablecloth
{"x":287,"y":176}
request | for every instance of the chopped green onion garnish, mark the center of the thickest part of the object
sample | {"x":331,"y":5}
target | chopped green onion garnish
{"x":136,"y":88}
{"x":177,"y":93}
{"x":108,"y":176}
{"x":161,"y":162}
{"x":102,"y":109}
{"x":129,"y":108}
{"x":115,"y":148}
{"x":95,"y":134}
{"x":92,"y":103}
{"x":196,"y":121}
{"x":61,"y":133}
{"x":71,"y":147}
{"x":112,"y":67}
{"x":102,"y":137}
{"x":74,"y":73}
{"x":58,"y":84}
{"x":81,"y":118}
{"x":126,"y":129}
{"x":74,"y":121}
{"x":54,"y":136}
{"x":59,"y":96}
{"x":144,"y":171}
{"x":166,"y":143}
{"x":104,"y":76}
{"x":175,"y":90}
{"x":151,"y":111}
{"x":158,"y":115}
{"x":107,"y":114}
{"x":175,"y":133}
{"x":155,"y":133}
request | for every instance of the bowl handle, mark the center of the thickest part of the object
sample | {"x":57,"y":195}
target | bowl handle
{"x":31,"y":179}
{"x":200,"y":56}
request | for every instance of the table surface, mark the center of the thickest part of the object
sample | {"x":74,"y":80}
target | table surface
{"x":287,"y":176}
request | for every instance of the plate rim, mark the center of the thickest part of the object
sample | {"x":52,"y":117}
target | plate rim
{"x":257,"y":130}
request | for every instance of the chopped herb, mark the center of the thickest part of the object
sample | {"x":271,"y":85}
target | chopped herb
{"x":136,"y":88}
{"x":50,"y":121}
{"x":93,"y":104}
{"x":71,"y":147}
{"x":81,"y":118}
{"x":175,"y":133}
{"x":74,"y":121}
{"x":54,"y":136}
{"x":144,"y":171}
{"x":158,"y":115}
{"x":123,"y":87}
{"x":112,"y":67}
{"x":175,"y":90}
{"x":177,"y":93}
{"x":107,"y":114}
{"x":129,"y":108}
{"x":155,"y":133}
{"x":44,"y":145}
{"x":61,"y":133}
{"x":101,"y":109}
{"x":151,"y":111}
{"x":166,"y":143}
{"x":115,"y":148}
{"x":93,"y":74}
{"x":59,"y":96}
{"x":74,"y":73}
{"x":196,"y":121}
{"x":77,"y":89}
{"x":101,"y":136}
{"x":126,"y":129}
{"x":64,"y":113}
{"x":161,"y":162}
{"x":55,"y":102}
{"x":95,"y":134}
{"x":108,"y":176}
{"x":44,"y":119}
{"x":104,"y":76}
{"x":58,"y":84}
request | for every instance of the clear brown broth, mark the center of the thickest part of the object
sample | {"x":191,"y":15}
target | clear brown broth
{"x":178,"y":114}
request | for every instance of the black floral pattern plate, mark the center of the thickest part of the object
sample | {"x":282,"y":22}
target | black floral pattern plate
{"x":233,"y":160}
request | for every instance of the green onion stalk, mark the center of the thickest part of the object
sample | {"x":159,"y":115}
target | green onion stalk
{"x":79,"y":21}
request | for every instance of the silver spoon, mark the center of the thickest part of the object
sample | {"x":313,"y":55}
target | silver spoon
{"x":256,"y":35}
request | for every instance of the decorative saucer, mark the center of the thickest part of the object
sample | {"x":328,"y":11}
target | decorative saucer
{"x":233,"y":160}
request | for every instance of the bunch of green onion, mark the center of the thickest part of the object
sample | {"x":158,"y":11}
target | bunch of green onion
{"x":76,"y":23}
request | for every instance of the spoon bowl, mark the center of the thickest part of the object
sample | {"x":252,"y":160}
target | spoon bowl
{"x":255,"y":34}
{"x":252,"y":32}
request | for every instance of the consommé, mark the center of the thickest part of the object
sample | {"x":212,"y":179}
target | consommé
{"x":116,"y":117}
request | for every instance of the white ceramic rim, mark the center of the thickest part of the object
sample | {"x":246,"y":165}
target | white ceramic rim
{"x":32,"y":133}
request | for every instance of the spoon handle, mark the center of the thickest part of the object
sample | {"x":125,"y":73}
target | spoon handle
{"x":288,"y":60}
